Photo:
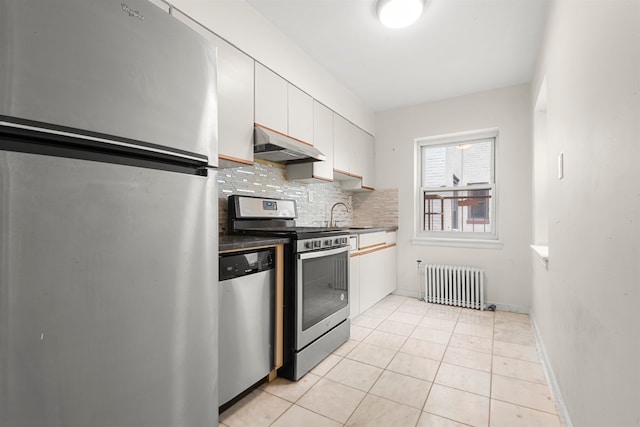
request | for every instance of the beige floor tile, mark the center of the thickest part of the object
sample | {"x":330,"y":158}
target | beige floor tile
{"x":372,"y":354}
{"x":512,"y":317}
{"x":422,"y":348}
{"x":377,"y":312}
{"x":468,"y":358}
{"x":395,"y":327}
{"x":433,"y":335}
{"x":391,"y":302}
{"x":523,"y":393}
{"x":376,"y":411}
{"x":466,"y":379}
{"x":444,"y":312}
{"x":431,"y":420}
{"x":476,"y":317}
{"x":366,"y":321}
{"x":402,"y":389}
{"x":469,"y":342}
{"x":516,"y":351}
{"x":458,"y":405}
{"x":257,"y":409}
{"x":409,"y":318}
{"x":345,"y":348}
{"x":436,"y":313}
{"x":517,"y":327}
{"x":414,"y":306}
{"x":358,"y":333}
{"x":415,"y":302}
{"x":440,"y":324}
{"x":326,"y":365}
{"x":514,"y":337}
{"x":298,"y":416}
{"x":355,"y":374}
{"x":332,"y":399}
{"x":291,"y":390}
{"x":505,"y":414}
{"x":414,"y":366}
{"x":456,"y":365}
{"x":385,"y":339}
{"x":520,"y":369}
{"x":474,"y":329}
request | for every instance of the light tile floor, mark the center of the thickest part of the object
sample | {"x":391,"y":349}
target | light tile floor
{"x":410,"y":363}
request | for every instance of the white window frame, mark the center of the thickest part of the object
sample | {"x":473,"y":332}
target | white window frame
{"x":455,"y":238}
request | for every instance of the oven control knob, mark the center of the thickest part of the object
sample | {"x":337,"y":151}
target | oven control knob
{"x":308,"y":245}
{"x":327,"y":242}
{"x":317,"y":244}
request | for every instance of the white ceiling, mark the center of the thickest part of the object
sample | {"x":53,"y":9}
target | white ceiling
{"x":457,"y":47}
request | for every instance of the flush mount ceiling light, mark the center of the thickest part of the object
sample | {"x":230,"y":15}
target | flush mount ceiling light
{"x":399,"y":13}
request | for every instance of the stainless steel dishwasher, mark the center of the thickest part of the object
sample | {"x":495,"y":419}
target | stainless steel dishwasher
{"x":246,"y":320}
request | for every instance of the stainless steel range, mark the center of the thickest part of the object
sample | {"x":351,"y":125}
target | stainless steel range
{"x":316,"y":279}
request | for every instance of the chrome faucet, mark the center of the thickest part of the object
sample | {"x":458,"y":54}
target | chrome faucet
{"x":331,"y":223}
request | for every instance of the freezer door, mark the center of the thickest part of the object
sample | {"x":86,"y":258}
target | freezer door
{"x":108,"y":295}
{"x":121,"y":68}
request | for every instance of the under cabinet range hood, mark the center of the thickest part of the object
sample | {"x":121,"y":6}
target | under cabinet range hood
{"x":279,"y":148}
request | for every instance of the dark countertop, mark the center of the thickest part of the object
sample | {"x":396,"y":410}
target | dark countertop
{"x":238,"y":242}
{"x":233,"y":242}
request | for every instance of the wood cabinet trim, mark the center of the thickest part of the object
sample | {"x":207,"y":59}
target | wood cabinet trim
{"x":235,"y":159}
{"x":376,"y":249}
{"x":279,"y":309}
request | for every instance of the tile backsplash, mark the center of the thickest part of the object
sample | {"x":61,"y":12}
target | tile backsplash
{"x":314,"y":201}
{"x":379,"y":207}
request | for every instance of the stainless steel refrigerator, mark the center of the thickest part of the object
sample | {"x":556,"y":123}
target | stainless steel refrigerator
{"x":108,"y":217}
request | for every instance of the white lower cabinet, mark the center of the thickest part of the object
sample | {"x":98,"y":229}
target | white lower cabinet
{"x":354,"y":286}
{"x":376,"y":273}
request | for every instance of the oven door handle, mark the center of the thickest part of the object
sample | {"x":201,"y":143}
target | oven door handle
{"x":318,"y":254}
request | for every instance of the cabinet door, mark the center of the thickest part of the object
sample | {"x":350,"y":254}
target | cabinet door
{"x":354,"y":286}
{"x":368,"y":159}
{"x":389,"y":269}
{"x":300,"y":115}
{"x":271,"y":99}
{"x":235,"y":98}
{"x":323,"y":140}
{"x":356,"y":147}
{"x":377,"y":276}
{"x":341,"y":143}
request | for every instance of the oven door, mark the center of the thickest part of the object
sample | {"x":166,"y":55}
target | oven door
{"x":322,"y":293}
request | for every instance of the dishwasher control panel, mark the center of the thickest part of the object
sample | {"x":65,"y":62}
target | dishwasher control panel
{"x":238,"y":264}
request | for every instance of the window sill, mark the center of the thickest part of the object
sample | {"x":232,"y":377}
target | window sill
{"x":457,"y":243}
{"x":542,"y":253}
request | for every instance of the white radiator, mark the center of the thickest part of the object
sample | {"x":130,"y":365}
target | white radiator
{"x":454,"y":285}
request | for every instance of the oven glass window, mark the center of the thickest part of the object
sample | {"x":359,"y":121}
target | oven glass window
{"x":324,"y":287}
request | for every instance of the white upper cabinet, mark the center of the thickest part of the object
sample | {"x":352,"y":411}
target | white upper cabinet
{"x":342,"y":131}
{"x":282,"y":107}
{"x":271,"y":99}
{"x":323,"y":141}
{"x":300,"y":115}
{"x":235,"y":98}
{"x":367,"y":153}
{"x":353,"y":155}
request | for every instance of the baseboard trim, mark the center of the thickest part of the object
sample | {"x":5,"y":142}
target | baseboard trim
{"x":406,"y":293}
{"x":563,"y":412}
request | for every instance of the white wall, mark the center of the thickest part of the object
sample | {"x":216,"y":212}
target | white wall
{"x":508,"y":270}
{"x":586,"y":307}
{"x":242,"y":26}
